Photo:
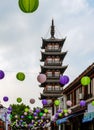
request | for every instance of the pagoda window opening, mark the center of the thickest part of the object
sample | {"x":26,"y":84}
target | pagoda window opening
{"x":57,"y":73}
{"x":49,"y":60}
{"x":57,"y":87}
{"x":49,"y":46}
{"x":49,"y":73}
{"x":49,"y":87}
{"x":56,"y":46}
{"x":56,"y":60}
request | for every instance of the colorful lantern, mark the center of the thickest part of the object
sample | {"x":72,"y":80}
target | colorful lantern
{"x":65,"y":111}
{"x":26,"y":109}
{"x":19,"y":99}
{"x":57,"y":102}
{"x":41,"y":78}
{"x":85,"y":80}
{"x":82,"y":103}
{"x":69,"y":111}
{"x":69,"y":103}
{"x":32,"y":101}
{"x":1,"y":74}
{"x":20,"y":76}
{"x":44,"y":102}
{"x":46,"y":110}
{"x":5,"y":98}
{"x":64,"y":79}
{"x":40,"y":114}
{"x":92,"y":103}
{"x":28,"y":6}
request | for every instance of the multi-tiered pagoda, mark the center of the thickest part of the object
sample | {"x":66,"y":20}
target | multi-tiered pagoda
{"x":53,"y":67}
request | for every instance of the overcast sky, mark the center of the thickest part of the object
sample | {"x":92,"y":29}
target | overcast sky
{"x":20,"y":43}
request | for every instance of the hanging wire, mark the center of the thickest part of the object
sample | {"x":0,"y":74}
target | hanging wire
{"x":47,"y":34}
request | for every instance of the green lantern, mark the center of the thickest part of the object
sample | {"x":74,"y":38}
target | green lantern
{"x":28,"y":6}
{"x":46,"y":110}
{"x":19,"y":99}
{"x":65,"y":110}
{"x":20,"y":76}
{"x":85,"y":80}
{"x":92,"y":103}
{"x":40,"y":114}
{"x":57,"y":102}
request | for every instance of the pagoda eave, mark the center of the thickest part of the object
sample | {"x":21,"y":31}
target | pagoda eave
{"x":60,"y":54}
{"x":45,"y":96}
{"x":61,"y":68}
{"x":52,"y":40}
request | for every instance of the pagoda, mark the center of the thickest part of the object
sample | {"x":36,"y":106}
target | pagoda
{"x":52,"y":58}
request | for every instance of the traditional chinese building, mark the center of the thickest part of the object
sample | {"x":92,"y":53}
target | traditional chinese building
{"x":52,"y":58}
{"x":82,"y":116}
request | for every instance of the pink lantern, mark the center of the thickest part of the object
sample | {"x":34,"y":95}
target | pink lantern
{"x":69,"y":111}
{"x":64,"y":79}
{"x":32,"y":101}
{"x":41,"y":78}
{"x":69,"y":103}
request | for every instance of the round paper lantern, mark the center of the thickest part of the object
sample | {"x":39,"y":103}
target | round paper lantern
{"x":26,"y":109}
{"x":44,"y":102}
{"x":28,"y":6}
{"x":41,"y":78}
{"x":20,"y":76}
{"x":64,"y":79}
{"x":69,"y":103}
{"x":1,"y":74}
{"x":92,"y":103}
{"x":46,"y":110}
{"x":37,"y":110}
{"x":19,"y":99}
{"x":69,"y":111}
{"x":65,"y":110}
{"x":85,"y":80}
{"x":32,"y":101}
{"x":57,"y":102}
{"x":5,"y":98}
{"x":40,"y":114}
{"x":82,"y":103}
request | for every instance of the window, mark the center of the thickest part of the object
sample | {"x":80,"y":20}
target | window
{"x":56,"y":73}
{"x":57,"y":87}
{"x":49,"y":47}
{"x":49,"y":74}
{"x":56,"y":46}
{"x":49,"y":87}
{"x":49,"y":60}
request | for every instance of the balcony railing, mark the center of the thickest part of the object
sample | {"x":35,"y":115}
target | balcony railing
{"x":53,"y":63}
{"x":53,"y":49}
{"x":53,"y":91}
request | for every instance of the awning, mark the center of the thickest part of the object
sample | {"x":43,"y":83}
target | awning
{"x":63,"y":120}
{"x":88,"y":117}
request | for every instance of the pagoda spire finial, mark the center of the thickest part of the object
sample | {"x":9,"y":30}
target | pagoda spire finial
{"x":52,"y":29}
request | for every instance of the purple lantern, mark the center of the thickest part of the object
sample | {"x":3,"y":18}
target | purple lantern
{"x":82,"y":103}
{"x":64,"y":79}
{"x":44,"y":102}
{"x":5,"y":99}
{"x":1,"y":74}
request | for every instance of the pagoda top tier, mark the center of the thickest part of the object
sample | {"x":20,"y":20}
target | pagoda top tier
{"x":52,"y":39}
